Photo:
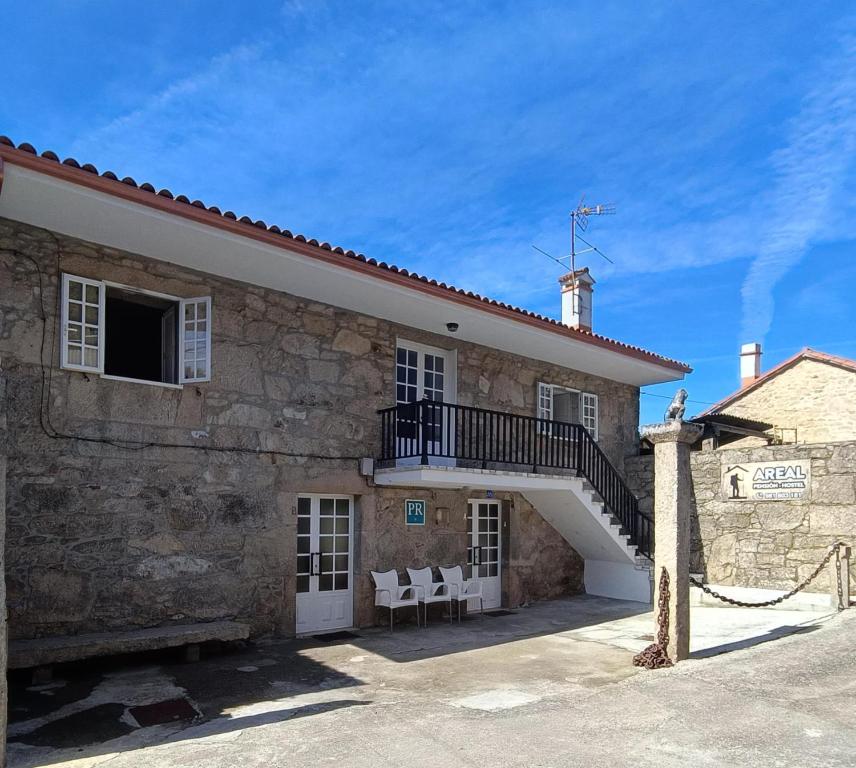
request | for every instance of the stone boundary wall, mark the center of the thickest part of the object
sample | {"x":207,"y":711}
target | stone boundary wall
{"x":3,"y":627}
{"x":769,"y":544}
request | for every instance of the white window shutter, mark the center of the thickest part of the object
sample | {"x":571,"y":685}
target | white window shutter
{"x":545,"y":401}
{"x":590,"y":413}
{"x":82,"y":324}
{"x":194,"y":340}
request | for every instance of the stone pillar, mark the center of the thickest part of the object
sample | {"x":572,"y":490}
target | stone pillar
{"x":672,"y":506}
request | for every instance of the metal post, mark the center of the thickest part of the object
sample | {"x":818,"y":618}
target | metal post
{"x":844,"y":576}
{"x":423,"y":425}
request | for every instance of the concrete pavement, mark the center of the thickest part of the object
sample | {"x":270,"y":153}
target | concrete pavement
{"x":551,"y":685}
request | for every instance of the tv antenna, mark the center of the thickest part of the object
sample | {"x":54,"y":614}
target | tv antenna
{"x":579,"y":223}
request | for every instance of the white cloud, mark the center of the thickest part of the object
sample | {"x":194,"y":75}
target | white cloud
{"x":424,"y":143}
{"x":810,"y":173}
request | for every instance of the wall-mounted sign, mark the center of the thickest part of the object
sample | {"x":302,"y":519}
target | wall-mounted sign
{"x":766,"y":480}
{"x":414,"y":511}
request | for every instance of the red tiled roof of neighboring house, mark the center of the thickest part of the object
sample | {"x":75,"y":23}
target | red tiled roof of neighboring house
{"x":806,"y":353}
{"x":146,"y":194}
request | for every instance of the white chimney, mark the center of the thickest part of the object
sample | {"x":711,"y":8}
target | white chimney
{"x":750,"y":363}
{"x":576,"y":299}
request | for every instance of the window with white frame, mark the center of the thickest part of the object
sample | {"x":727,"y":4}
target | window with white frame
{"x":134,"y":334}
{"x":588,"y":412}
{"x":557,"y":403}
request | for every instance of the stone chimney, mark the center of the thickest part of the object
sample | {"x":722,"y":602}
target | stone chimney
{"x":750,"y":363}
{"x":576,"y":299}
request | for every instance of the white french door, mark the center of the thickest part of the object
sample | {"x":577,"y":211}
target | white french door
{"x":484,"y":553}
{"x":325,"y":597}
{"x":424,"y":373}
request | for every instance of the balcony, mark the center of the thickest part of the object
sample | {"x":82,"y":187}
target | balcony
{"x":429,"y":434}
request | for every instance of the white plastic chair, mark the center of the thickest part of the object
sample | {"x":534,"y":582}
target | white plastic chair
{"x":431,"y":591}
{"x":462,"y":589}
{"x":390,"y":593}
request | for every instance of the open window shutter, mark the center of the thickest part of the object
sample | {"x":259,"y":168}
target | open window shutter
{"x":194,"y":340}
{"x":82,"y":347}
{"x":590,"y":414}
{"x":545,"y":405}
{"x":545,"y":401}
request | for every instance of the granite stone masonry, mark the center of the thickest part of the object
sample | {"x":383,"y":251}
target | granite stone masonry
{"x":812,"y":401}
{"x":196,"y":519}
{"x":3,"y":621}
{"x":771,"y":544}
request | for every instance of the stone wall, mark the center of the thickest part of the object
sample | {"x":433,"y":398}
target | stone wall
{"x":772,"y":544}
{"x":4,"y":710}
{"x":103,"y":535}
{"x":816,"y":399}
{"x":537,"y":563}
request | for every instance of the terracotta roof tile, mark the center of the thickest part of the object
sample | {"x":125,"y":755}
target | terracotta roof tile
{"x":580,"y":334}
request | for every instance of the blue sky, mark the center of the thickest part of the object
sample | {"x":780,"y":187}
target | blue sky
{"x":449,"y":138}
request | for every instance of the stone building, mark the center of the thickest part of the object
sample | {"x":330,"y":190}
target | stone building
{"x":808,"y":398}
{"x":212,"y":418}
{"x":796,"y":422}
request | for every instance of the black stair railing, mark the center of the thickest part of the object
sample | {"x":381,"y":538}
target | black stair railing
{"x":429,"y":432}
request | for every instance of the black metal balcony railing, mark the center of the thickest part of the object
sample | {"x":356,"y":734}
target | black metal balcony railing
{"x":430,"y":430}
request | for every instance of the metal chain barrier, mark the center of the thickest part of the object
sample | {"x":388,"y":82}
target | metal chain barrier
{"x":834,"y":551}
{"x":656,"y":656}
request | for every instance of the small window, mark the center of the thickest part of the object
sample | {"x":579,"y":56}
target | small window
{"x":568,"y":406}
{"x":140,"y":333}
{"x":135,"y":335}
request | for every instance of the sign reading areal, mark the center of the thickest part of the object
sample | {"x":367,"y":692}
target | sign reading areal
{"x":414,"y":511}
{"x":766,"y":480}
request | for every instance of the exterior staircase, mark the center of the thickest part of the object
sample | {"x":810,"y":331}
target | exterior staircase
{"x":613,"y":566}
{"x":557,"y":466}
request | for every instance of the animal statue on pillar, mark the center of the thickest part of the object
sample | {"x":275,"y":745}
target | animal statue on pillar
{"x":676,"y":409}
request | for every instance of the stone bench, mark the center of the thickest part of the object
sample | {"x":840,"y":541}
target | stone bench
{"x":42,"y":652}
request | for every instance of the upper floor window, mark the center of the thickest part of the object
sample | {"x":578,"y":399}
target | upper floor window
{"x":132,"y":334}
{"x":557,"y":403}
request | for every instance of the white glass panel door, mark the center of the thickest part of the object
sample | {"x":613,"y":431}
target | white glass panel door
{"x":324,"y":554}
{"x":484,"y":552}
{"x":422,"y":373}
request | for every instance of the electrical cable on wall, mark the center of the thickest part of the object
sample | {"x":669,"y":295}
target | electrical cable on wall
{"x":46,"y":378}
{"x":669,"y":397}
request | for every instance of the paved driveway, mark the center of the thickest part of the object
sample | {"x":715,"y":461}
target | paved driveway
{"x":551,"y":685}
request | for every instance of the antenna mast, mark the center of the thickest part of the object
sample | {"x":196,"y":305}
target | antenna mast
{"x":579,"y":218}
{"x":579,"y":223}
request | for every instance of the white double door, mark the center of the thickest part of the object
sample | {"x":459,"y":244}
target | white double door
{"x":484,"y":526}
{"x":325,"y":597}
{"x":424,"y":373}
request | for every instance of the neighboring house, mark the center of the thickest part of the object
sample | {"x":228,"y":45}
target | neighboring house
{"x":808,"y":398}
{"x":209,"y":417}
{"x":774,"y":476}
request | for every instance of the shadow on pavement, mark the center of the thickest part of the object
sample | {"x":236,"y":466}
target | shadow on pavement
{"x":770,"y":634}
